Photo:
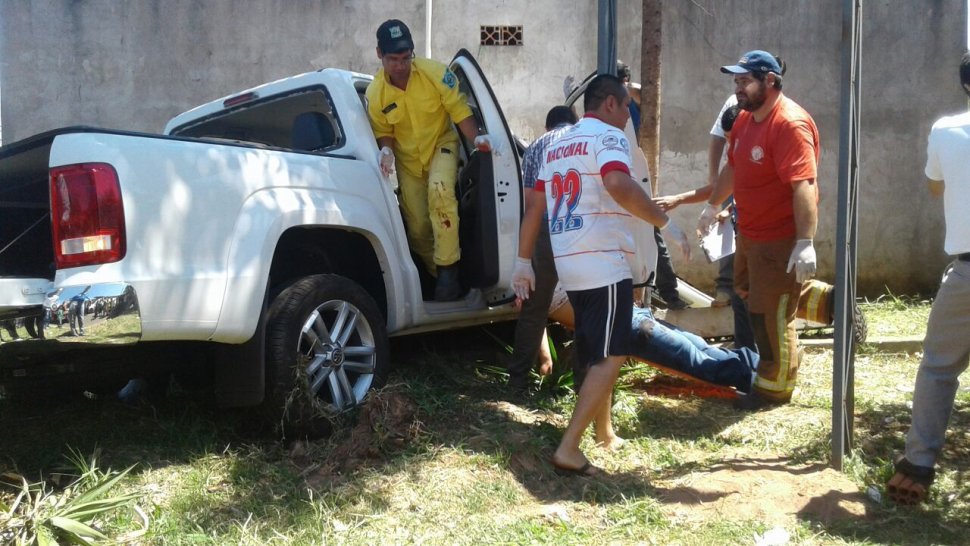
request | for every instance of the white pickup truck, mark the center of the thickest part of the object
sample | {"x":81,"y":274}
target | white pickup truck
{"x":258,"y":224}
{"x":255,"y":239}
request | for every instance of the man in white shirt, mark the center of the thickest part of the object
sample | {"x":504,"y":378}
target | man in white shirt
{"x":946,"y":349}
{"x":591,"y":198}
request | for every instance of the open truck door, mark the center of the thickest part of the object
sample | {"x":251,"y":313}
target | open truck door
{"x":489,"y":192}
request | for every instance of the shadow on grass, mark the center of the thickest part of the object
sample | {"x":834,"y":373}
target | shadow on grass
{"x":171,"y":430}
{"x":880,"y":432}
{"x":702,"y":418}
{"x":470,"y":407}
{"x":462,"y":407}
{"x":181,"y":432}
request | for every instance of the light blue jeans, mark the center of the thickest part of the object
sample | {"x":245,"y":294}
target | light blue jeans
{"x":946,"y":353}
{"x":665,"y":344}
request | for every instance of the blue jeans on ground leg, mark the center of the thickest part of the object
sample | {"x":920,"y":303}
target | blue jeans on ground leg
{"x":664,"y":344}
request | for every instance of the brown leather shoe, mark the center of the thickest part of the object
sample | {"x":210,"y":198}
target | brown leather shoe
{"x":755,"y":401}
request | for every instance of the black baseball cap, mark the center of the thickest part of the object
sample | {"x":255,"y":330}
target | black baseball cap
{"x":393,"y":36}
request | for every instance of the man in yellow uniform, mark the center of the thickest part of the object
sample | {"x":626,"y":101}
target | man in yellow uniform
{"x":412,"y":104}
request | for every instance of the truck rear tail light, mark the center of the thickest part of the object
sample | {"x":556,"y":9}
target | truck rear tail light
{"x":240,"y":99}
{"x":87,"y":216}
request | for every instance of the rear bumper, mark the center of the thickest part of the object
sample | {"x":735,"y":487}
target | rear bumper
{"x":22,"y":297}
{"x":50,"y":316}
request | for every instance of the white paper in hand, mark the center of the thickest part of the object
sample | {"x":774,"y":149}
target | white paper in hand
{"x":719,"y":241}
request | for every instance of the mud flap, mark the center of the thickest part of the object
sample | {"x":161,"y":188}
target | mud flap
{"x":239,"y":371}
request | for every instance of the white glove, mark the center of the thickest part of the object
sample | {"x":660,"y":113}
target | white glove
{"x":706,"y":220}
{"x":523,"y":278}
{"x":486,"y":143}
{"x":803,"y":260}
{"x":568,"y":85}
{"x":678,"y":236}
{"x":385,"y":158}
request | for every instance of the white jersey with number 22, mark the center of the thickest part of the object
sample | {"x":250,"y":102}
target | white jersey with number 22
{"x":589,"y":230}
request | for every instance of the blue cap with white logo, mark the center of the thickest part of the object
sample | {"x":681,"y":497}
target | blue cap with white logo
{"x":754,"y":61}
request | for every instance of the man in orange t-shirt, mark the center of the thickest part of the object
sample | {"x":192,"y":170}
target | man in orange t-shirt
{"x":772,"y":170}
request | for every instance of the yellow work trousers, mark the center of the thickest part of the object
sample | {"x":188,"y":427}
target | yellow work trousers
{"x":815,"y":302}
{"x":430,"y":208}
{"x":775,"y":300}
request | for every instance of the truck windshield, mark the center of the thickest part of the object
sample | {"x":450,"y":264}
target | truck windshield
{"x":303,"y":120}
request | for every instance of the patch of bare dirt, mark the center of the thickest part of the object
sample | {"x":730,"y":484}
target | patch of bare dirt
{"x":387,"y":422}
{"x":772,"y":490}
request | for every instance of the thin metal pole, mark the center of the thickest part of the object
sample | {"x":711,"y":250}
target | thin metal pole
{"x":428,"y":6}
{"x":843,"y":365}
{"x":606,"y":38}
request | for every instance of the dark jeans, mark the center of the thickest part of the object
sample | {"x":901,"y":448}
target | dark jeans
{"x":77,"y":320}
{"x":534,"y":314}
{"x":11,"y":329}
{"x":666,"y":277}
{"x":724,"y":282}
{"x":666,"y":345}
{"x":743,"y":333}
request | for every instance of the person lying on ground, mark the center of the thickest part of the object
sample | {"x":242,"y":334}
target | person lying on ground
{"x":662,"y":343}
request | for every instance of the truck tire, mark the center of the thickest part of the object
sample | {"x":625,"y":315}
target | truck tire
{"x":326,"y":348}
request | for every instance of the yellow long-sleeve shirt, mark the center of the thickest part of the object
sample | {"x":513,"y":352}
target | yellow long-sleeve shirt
{"x":417,"y":117}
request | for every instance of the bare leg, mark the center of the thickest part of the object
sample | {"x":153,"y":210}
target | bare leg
{"x":595,"y":392}
{"x":603,"y":425}
{"x":545,"y":357}
{"x":640,"y":297}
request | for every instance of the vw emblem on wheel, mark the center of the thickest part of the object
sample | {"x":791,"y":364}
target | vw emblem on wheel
{"x":337,"y":357}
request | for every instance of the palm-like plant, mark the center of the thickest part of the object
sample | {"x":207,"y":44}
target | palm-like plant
{"x":39,"y":515}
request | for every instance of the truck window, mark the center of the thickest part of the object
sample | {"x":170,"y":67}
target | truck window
{"x":361,"y":87}
{"x":302,"y":120}
{"x":472,"y":104}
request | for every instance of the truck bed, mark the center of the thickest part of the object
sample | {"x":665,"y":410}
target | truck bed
{"x":25,"y":233}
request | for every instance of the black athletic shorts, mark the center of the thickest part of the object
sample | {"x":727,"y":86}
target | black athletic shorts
{"x":603,"y":325}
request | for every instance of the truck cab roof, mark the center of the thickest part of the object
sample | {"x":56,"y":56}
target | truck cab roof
{"x":315,"y":112}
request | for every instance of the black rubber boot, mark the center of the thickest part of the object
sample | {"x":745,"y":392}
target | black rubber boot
{"x":860,"y":326}
{"x":753,"y":401}
{"x":448,"y":287}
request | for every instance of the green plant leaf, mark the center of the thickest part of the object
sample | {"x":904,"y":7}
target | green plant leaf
{"x":78,"y":529}
{"x":23,"y":493}
{"x":45,"y":537}
{"x":84,"y":512}
{"x":102,"y":488}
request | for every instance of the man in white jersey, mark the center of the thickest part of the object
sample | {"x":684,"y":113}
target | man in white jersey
{"x":591,"y":199}
{"x":946,"y":349}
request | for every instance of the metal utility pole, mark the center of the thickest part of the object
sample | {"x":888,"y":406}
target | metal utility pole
{"x":650,"y":47}
{"x":843,"y":365}
{"x":606,"y":38}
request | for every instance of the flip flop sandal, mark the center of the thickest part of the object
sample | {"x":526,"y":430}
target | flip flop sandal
{"x":911,"y":484}
{"x":585,"y":471}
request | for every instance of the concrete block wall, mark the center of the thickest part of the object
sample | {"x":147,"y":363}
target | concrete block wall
{"x":134,"y":64}
{"x":910,"y":55}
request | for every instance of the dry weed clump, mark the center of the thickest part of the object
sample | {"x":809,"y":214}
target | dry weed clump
{"x":387,"y":422}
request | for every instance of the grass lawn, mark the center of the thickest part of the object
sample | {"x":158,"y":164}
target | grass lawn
{"x":440,"y":458}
